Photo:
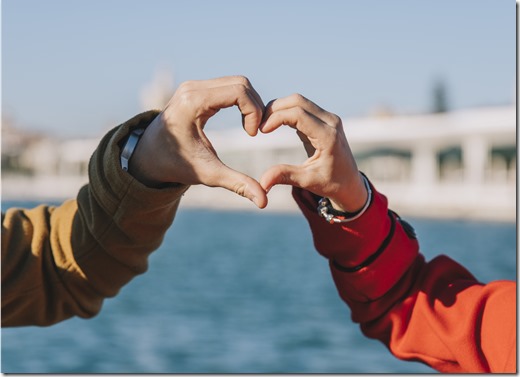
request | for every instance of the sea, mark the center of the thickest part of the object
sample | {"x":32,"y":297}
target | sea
{"x":241,"y":292}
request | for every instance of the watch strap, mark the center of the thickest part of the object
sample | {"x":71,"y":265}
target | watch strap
{"x":129,"y":147}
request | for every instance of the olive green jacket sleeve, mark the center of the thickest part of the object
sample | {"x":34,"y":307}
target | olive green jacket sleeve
{"x":59,"y":262}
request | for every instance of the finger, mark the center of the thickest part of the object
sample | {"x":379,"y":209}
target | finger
{"x":282,"y":175}
{"x":217,"y":98}
{"x":268,"y":111}
{"x":241,"y":80}
{"x":297,"y":100}
{"x":298,"y":118}
{"x":226,"y":81}
{"x":240,"y":184}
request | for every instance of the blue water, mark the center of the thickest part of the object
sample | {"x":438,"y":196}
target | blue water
{"x":241,"y":292}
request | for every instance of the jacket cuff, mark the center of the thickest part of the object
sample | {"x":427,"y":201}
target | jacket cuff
{"x":348,"y":243}
{"x":113,"y":186}
{"x":126,"y":220}
{"x":377,"y":236}
{"x":377,"y":278}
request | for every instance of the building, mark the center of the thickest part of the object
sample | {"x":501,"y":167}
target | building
{"x":459,"y":164}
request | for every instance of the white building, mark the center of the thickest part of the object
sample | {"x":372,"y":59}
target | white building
{"x":459,"y":164}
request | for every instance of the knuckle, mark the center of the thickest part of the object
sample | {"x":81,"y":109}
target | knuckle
{"x":336,"y":120}
{"x":191,"y":99}
{"x":283,"y":176}
{"x":241,"y":89}
{"x":297,"y":98}
{"x":287,"y":178}
{"x":240,"y":188}
{"x":333,"y":133}
{"x":186,"y":96}
{"x":242,"y":80}
{"x":299,"y":112}
{"x":254,"y":117}
{"x":185,"y":86}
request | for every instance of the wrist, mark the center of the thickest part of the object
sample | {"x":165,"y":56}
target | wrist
{"x":138,"y":155}
{"x":353,"y":198}
{"x":143,"y":165}
{"x":333,"y":215}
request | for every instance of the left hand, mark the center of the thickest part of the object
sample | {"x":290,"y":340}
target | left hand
{"x":174,"y":147}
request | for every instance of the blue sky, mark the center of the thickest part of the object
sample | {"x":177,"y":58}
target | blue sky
{"x":77,"y":67}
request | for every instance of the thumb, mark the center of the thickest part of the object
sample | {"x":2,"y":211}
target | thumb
{"x":240,"y":184}
{"x":281,"y":175}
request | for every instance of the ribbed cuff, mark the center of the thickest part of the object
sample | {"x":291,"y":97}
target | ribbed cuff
{"x":378,"y":277}
{"x":351,"y":243}
{"x":112,"y":185}
{"x":376,"y":242}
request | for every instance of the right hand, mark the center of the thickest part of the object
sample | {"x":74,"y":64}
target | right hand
{"x":330,"y":171}
{"x":174,"y":148}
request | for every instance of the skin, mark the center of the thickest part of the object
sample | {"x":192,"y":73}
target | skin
{"x":330,"y":170}
{"x":175,"y":149}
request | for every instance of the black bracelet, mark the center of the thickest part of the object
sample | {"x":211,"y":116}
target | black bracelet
{"x":374,"y":256}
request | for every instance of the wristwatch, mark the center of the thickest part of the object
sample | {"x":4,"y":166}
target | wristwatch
{"x":129,"y":147}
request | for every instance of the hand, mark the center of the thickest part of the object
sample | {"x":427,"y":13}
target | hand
{"x":174,"y":147}
{"x":330,"y":171}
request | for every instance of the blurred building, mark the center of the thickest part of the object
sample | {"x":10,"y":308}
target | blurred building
{"x":454,"y":164}
{"x":39,"y":167}
{"x":14,"y":144}
{"x":458,"y":164}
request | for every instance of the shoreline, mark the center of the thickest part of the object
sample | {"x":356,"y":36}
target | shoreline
{"x":456,"y":202}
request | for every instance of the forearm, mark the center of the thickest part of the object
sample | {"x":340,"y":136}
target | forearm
{"x":432,"y":312}
{"x":126,"y":220}
{"x":62,"y":262}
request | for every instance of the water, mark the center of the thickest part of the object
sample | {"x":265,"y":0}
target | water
{"x":239,"y":292}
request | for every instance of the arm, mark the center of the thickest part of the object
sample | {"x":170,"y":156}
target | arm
{"x":435,"y":312}
{"x":62,"y":262}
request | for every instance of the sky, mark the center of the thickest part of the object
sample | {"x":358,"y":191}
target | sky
{"x":76,"y":68}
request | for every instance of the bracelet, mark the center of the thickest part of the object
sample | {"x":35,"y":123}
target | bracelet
{"x":129,"y":147}
{"x":392,"y":215}
{"x":332,"y":216}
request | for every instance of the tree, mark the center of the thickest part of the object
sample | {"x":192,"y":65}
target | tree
{"x":440,"y":101}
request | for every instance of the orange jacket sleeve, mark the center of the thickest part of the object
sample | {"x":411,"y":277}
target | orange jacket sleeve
{"x":435,"y":312}
{"x":59,"y":262}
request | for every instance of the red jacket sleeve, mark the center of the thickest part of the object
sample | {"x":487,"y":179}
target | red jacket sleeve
{"x":434,"y":312}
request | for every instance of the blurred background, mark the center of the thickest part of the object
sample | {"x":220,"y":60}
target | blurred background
{"x":427,"y":94}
